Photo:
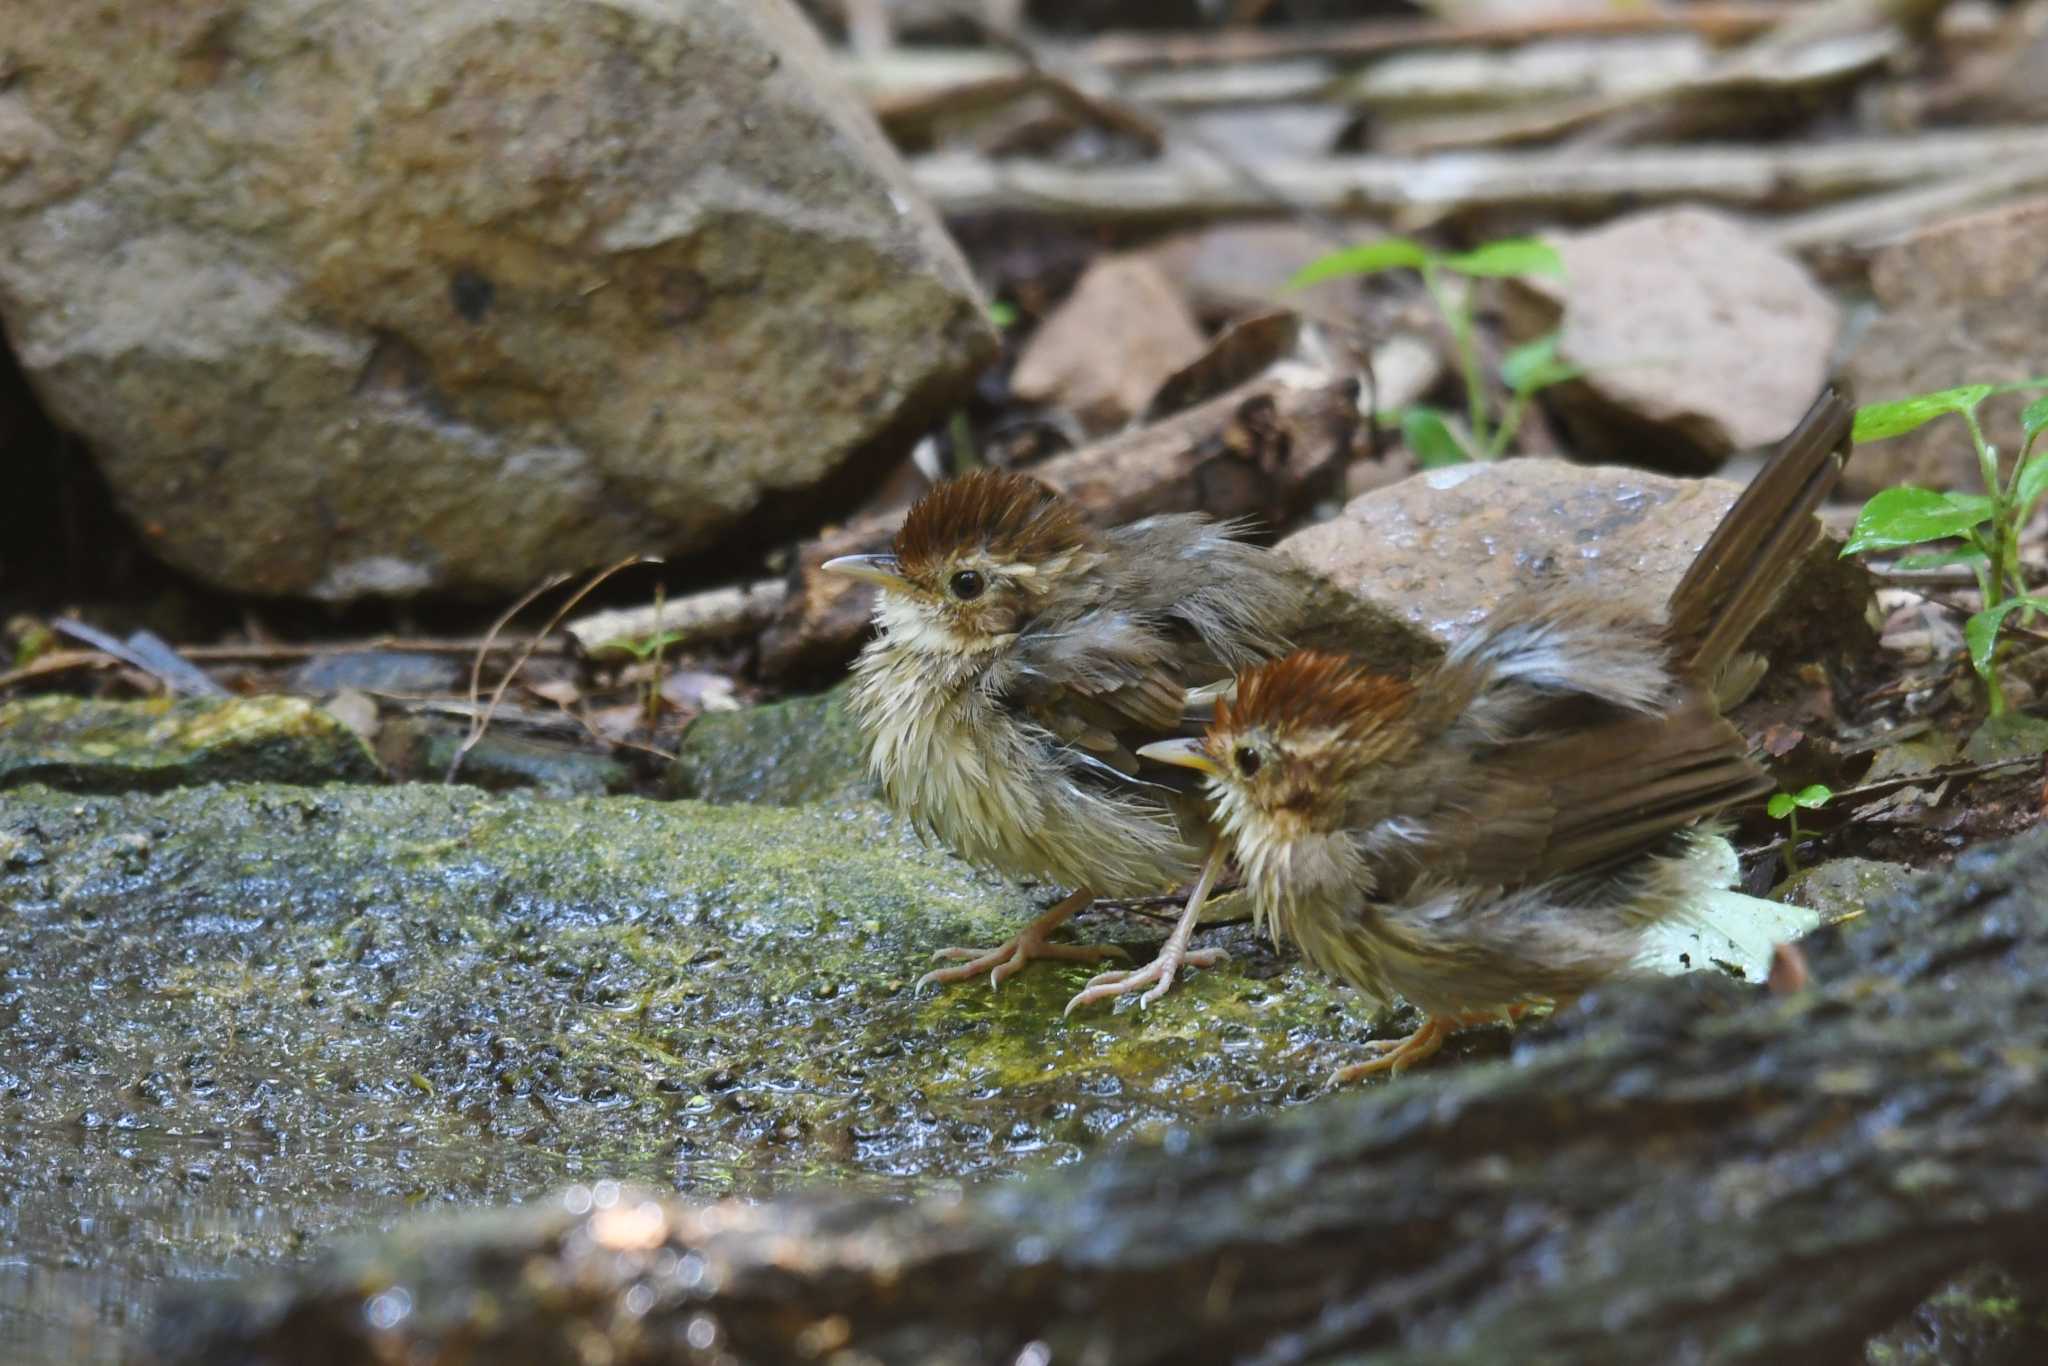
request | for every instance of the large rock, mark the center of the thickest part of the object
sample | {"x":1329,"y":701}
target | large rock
{"x":1443,"y":548}
{"x":1698,"y":336}
{"x":382,"y":298}
{"x":1683,"y":1171}
{"x":306,"y":1009}
{"x":1963,"y":302}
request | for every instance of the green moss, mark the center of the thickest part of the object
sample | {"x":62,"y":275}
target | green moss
{"x":804,"y":750}
{"x":87,"y":745}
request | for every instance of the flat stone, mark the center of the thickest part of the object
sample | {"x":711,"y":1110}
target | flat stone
{"x":403,"y":301}
{"x":1962,"y":304}
{"x":1107,"y":348}
{"x":86,"y":745}
{"x":308,"y":1009}
{"x":1442,"y":548}
{"x":1698,"y":337}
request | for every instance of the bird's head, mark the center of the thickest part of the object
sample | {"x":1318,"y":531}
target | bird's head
{"x":1283,"y":754}
{"x":976,"y":559}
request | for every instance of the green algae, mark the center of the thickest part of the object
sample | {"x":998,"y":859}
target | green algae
{"x":236,"y":1020}
{"x":88,"y":745}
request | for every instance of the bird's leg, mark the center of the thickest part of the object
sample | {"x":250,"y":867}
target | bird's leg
{"x":1010,"y":956}
{"x":1397,"y":1055}
{"x":1159,"y":974}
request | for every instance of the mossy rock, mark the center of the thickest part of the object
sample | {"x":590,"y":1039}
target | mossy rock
{"x":334,"y":1003}
{"x":86,"y":745}
{"x":802,"y":750}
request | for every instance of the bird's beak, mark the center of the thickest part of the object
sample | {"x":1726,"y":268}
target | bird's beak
{"x":876,"y":569}
{"x":1182,"y":754}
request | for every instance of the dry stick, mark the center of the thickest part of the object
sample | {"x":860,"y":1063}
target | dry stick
{"x":713,"y":614}
{"x":1872,"y":220}
{"x":1155,"y":126}
{"x":1185,"y":187}
{"x":483,"y":722}
{"x":1720,"y":23}
{"x":255,"y":652}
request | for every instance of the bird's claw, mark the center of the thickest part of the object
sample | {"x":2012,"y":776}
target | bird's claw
{"x":1396,"y":1055}
{"x":1159,"y":974}
{"x":1010,"y":957}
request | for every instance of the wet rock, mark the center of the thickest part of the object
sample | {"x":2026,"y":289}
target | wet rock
{"x":343,"y":1002}
{"x":503,"y":761}
{"x":1962,"y":304}
{"x":1442,"y":548}
{"x":376,"y":305}
{"x":804,"y":750}
{"x":1843,"y":887}
{"x":1105,"y":350}
{"x":377,"y":671}
{"x":85,"y":745}
{"x":1844,"y":1152}
{"x":1698,"y":337}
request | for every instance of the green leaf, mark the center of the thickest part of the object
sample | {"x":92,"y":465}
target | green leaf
{"x":1509,"y":256}
{"x":1936,"y":559}
{"x":1880,"y":421}
{"x":2033,"y":481}
{"x":2033,"y":418}
{"x":1534,"y":365}
{"x":1908,"y":516}
{"x":1814,"y":797}
{"x":1001,"y":313}
{"x":1389,"y":253}
{"x":1981,"y":630}
{"x":1430,"y":439}
{"x":1779,"y":806}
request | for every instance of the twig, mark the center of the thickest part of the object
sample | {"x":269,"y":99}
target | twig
{"x":1872,"y":220}
{"x":265,"y":652}
{"x":1185,"y":186}
{"x":1721,"y":23}
{"x":483,"y":721}
{"x":715,"y":614}
{"x":56,"y":662}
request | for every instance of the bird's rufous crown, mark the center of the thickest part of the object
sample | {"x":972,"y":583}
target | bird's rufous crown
{"x":1310,"y":690}
{"x":1010,"y":516}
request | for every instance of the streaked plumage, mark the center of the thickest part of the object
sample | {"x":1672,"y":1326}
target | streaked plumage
{"x":1022,"y":658}
{"x":1499,"y":831}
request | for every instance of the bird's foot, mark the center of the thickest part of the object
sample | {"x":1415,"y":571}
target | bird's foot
{"x":1397,"y":1055}
{"x":1159,"y":975}
{"x":1010,"y":957}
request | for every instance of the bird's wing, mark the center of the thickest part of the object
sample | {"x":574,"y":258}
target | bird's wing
{"x":1577,"y":801}
{"x":1103,"y":684}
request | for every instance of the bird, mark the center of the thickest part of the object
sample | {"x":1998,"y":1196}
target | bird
{"x":1499,"y":831}
{"x":1021,"y":657}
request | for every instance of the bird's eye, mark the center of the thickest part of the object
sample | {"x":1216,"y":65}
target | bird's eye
{"x":967,"y":585}
{"x":1247,"y":760}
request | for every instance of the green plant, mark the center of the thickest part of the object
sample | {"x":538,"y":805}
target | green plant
{"x":1524,"y":371}
{"x":1987,"y":523}
{"x":643,"y":649}
{"x":1786,"y":806}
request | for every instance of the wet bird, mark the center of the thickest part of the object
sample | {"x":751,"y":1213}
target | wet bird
{"x":1022,"y":657}
{"x":1500,"y":831}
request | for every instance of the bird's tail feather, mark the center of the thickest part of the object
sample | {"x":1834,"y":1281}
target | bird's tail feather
{"x":1738,"y":574}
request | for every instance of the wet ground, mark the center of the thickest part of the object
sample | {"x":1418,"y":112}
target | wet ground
{"x":235,"y":1021}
